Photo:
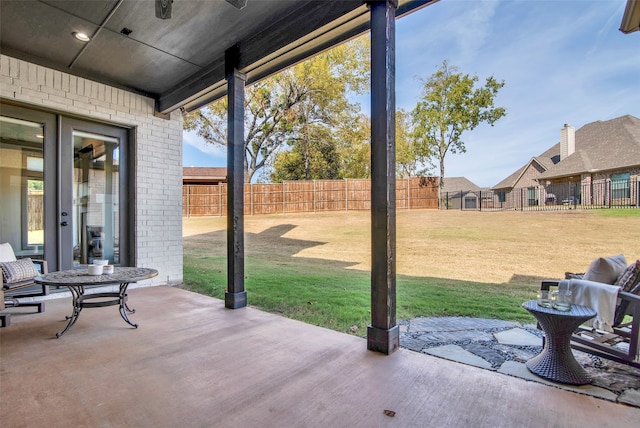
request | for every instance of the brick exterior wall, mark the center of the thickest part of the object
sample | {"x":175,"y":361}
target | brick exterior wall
{"x":528,"y":178}
{"x":158,"y":151}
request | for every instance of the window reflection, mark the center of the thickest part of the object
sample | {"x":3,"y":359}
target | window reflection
{"x":22,"y":186}
{"x":96,"y":198}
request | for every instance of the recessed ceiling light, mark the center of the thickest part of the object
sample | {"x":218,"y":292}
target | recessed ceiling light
{"x":81,"y":36}
{"x":39,"y":136}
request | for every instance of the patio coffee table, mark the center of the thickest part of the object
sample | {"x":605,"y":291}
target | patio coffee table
{"x":76,"y":280}
{"x":556,"y":361}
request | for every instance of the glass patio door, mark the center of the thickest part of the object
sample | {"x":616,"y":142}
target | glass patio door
{"x":92,"y":192}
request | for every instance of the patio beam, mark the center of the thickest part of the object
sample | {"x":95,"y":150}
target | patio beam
{"x":383,"y":333}
{"x":235,"y":296}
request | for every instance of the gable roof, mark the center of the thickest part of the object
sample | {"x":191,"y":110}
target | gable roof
{"x":545,"y":162}
{"x":458,"y":184}
{"x":600,"y":146}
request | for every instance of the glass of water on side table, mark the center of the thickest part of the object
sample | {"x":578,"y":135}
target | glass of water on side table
{"x":561,"y":300}
{"x":544,"y":299}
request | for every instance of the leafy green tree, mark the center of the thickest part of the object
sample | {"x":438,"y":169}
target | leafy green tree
{"x":327,"y":80}
{"x":314,"y":157}
{"x":354,"y":147}
{"x":452,"y":103}
{"x":408,"y":162}
{"x":299,"y":106}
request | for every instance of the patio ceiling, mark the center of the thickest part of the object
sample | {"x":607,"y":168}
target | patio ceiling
{"x":180,"y":61}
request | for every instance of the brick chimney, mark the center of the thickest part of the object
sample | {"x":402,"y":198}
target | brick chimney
{"x":567,"y":141}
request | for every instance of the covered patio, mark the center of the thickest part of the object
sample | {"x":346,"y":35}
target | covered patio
{"x":194,"y":363}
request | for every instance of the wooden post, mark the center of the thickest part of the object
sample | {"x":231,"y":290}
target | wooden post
{"x":408,"y":193}
{"x":346,"y":194}
{"x":188,"y":201}
{"x":235,"y":296}
{"x":383,"y":333}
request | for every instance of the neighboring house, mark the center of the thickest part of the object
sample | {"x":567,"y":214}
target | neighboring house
{"x":461,"y":193}
{"x":204,"y":175}
{"x":599,"y":164}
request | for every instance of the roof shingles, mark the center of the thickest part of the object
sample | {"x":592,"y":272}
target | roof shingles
{"x":601,"y":146}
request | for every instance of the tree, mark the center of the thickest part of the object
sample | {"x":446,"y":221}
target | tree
{"x":451,"y":103}
{"x":313,"y":157}
{"x":320,"y":115}
{"x":290,"y":108}
{"x":408,"y":161}
{"x":354,"y":147}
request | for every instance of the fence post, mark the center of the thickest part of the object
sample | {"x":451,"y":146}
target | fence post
{"x":188,"y":200}
{"x":409,"y":193}
{"x":284,"y":198}
{"x":346,"y":194}
{"x":220,"y":198}
{"x":314,"y":196}
{"x":480,"y":192}
{"x":251,"y":198}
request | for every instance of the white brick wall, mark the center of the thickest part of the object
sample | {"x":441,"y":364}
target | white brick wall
{"x":159,"y":152}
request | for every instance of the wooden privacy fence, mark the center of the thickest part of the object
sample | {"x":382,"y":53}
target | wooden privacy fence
{"x":307,"y":196}
{"x":35,"y":210}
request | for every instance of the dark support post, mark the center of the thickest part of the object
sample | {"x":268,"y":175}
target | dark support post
{"x":383,"y":333}
{"x":235,"y":296}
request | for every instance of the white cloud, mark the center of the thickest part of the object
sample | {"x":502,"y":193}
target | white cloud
{"x":193,"y":139}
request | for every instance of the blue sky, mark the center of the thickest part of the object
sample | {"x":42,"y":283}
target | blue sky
{"x":562,"y":62}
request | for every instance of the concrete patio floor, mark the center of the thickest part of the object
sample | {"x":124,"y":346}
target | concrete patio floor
{"x":193,"y":363}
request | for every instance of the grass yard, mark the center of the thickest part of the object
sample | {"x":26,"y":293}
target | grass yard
{"x":315,"y":267}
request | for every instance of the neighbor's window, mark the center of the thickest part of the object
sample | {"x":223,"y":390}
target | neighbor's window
{"x":620,"y":186}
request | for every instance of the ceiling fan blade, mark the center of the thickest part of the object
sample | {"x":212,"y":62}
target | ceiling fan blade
{"x":163,"y":9}
{"x":238,"y":4}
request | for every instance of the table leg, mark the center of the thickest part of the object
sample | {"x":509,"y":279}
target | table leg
{"x":77,"y":292}
{"x":124,"y":308}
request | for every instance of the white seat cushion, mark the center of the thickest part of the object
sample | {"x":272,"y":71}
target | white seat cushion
{"x":6,"y":253}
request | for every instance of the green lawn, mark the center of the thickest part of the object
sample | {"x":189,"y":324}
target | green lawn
{"x":339,"y":298}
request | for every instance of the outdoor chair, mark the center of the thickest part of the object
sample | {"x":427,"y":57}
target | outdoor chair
{"x":17,"y":282}
{"x":615,"y":338}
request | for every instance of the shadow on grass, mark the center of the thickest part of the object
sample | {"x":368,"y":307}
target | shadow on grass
{"x":326,"y":293}
{"x":517,"y":279}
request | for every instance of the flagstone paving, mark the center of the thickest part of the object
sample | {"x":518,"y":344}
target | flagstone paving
{"x":504,"y":346}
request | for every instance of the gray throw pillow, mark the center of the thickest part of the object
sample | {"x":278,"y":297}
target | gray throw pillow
{"x":18,"y":271}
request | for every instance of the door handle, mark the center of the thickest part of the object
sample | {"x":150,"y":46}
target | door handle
{"x":64,"y":223}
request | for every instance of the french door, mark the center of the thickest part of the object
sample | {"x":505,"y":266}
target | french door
{"x":65,"y":186}
{"x":92,"y":193}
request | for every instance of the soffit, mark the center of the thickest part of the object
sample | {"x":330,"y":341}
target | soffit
{"x":179,"y":61}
